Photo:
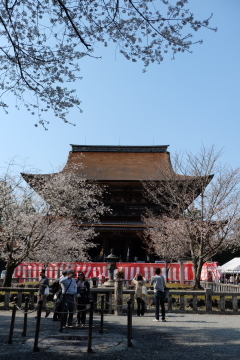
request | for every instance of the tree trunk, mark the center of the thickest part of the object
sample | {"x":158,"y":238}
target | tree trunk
{"x":198,"y":264}
{"x":166,"y":269}
{"x":168,"y":265}
{"x":10,"y":270}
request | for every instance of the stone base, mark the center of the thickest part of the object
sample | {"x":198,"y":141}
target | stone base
{"x":109,"y":283}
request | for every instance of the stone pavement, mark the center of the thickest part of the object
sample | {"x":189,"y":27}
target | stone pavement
{"x":183,"y":336}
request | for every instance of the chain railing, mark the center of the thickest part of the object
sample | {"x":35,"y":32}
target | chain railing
{"x":105,"y":303}
{"x":25,"y":311}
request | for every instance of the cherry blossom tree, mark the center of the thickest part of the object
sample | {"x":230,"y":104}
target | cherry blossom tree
{"x":202,"y":211}
{"x":43,"y":41}
{"x":54,"y":224}
{"x":162,"y":238}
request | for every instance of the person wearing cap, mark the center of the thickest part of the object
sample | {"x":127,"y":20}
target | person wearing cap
{"x":83,"y":289}
{"x":68,"y":284}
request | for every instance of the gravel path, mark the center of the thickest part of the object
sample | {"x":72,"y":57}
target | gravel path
{"x":183,"y":336}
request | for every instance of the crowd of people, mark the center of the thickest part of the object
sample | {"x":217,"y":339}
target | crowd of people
{"x":233,"y":279}
{"x":76,"y":295}
{"x":74,"y":292}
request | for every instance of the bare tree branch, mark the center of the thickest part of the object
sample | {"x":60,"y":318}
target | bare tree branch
{"x":203,"y":216}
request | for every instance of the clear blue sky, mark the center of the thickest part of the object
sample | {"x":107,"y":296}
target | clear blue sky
{"x":182,"y":103}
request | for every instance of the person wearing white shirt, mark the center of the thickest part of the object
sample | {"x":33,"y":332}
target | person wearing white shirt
{"x":68,"y":284}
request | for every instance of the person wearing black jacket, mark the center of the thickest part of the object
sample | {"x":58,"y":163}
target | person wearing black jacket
{"x":83,"y":291}
{"x":57,"y":292}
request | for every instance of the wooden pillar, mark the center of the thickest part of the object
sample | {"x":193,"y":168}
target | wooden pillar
{"x":129,"y":244}
{"x":104,"y":245}
{"x":6,"y":299}
{"x":208,"y":298}
{"x":222,"y":302}
{"x":235,"y":303}
{"x":109,"y":301}
{"x":182,"y":302}
{"x":195,"y":302}
{"x":170,"y":302}
{"x":19,"y":299}
{"x":118,"y":297}
{"x":181,"y":263}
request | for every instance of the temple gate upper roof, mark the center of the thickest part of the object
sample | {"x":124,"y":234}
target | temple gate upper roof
{"x":120,"y":164}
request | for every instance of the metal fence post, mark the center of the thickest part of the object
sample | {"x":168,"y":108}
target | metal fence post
{"x":129,"y":322}
{"x":12,"y":321}
{"x":102,"y":314}
{"x":62,"y":313}
{"x":90,"y":326}
{"x":131,"y":314}
{"x":25,"y":316}
{"x":39,"y":311}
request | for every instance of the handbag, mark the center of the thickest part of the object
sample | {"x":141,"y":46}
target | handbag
{"x":144,"y":290}
{"x":59,"y":299}
{"x":55,"y":296}
{"x":46,"y":291}
{"x":89,"y":297}
{"x":166,"y":293}
{"x":60,"y":296}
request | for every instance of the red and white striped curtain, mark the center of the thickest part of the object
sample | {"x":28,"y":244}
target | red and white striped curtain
{"x":53,"y":270}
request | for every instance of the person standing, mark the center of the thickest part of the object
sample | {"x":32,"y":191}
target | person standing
{"x":237,"y":279}
{"x":68,"y":284}
{"x":83,"y":290}
{"x":158,"y":282}
{"x":43,"y":284}
{"x":140,"y":296}
{"x":57,"y":292}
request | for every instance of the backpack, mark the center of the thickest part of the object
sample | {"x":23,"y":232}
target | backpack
{"x":56,"y":286}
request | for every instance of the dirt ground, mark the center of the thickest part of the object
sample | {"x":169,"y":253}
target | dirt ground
{"x":183,"y":336}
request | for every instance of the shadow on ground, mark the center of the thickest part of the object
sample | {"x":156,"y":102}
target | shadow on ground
{"x":182,"y":337}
